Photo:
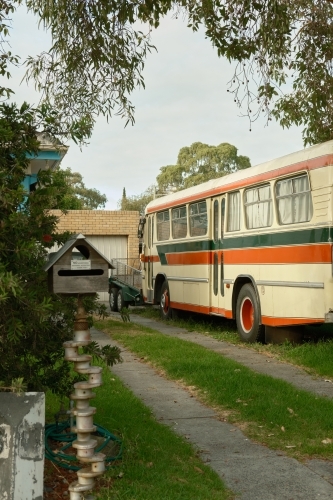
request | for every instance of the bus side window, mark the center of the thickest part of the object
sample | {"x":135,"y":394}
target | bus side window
{"x":198,"y":219}
{"x":258,"y":207}
{"x":149,"y":232}
{"x":222,"y":217}
{"x":163,"y":226}
{"x":233,"y":223}
{"x":293,"y":198}
{"x":216,"y":220}
{"x":179,"y":222}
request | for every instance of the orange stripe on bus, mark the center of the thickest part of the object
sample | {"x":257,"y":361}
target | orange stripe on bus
{"x":280,"y":255}
{"x":190,"y":307}
{"x":272,"y":321}
{"x":312,"y":164}
{"x":296,"y":254}
{"x":223,"y":312}
{"x":151,"y":258}
{"x":188,"y":258}
{"x":201,"y":309}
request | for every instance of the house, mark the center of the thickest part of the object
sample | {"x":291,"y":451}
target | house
{"x":50,"y":154}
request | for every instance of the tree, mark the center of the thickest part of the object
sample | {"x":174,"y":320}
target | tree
{"x":137,"y":202}
{"x":123,"y":200}
{"x":98,"y":53}
{"x":195,"y":164}
{"x":34,"y":323}
{"x":199,"y":163}
{"x":78,"y":196}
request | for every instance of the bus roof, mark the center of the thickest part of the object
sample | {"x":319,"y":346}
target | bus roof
{"x":307,"y":159}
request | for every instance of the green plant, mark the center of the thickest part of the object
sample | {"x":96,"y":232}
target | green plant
{"x":34,"y":323}
{"x":124,"y":313}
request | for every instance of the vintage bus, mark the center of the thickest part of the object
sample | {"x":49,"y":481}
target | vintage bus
{"x":254,"y":246}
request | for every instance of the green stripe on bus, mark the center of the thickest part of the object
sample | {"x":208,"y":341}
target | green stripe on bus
{"x":299,"y":237}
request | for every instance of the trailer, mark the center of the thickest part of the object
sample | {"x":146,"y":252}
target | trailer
{"x":125,"y":286}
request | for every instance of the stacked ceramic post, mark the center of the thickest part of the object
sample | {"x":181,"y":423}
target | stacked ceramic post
{"x":83,"y":412}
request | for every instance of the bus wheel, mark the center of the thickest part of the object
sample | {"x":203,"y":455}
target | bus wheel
{"x":165,"y":308}
{"x":113,"y":299}
{"x":247,"y":315}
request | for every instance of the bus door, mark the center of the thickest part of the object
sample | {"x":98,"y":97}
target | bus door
{"x":217,"y":257}
{"x":149,"y":271}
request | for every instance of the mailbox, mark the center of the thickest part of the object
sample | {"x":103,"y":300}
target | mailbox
{"x":78,"y":268}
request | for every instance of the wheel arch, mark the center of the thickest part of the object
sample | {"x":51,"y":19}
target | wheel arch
{"x":159,"y":280}
{"x":240,"y":281}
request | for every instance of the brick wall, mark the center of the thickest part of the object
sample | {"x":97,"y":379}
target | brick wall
{"x":104,"y":223}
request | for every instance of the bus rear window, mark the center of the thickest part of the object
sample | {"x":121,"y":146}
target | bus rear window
{"x":163,"y":226}
{"x":258,"y":207}
{"x":179,"y":222}
{"x":198,"y":219}
{"x":293,"y":198}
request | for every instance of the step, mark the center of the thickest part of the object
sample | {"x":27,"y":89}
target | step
{"x":82,"y":394}
{"x":91,"y":369}
{"x":94,"y":459}
{"x":85,"y":385}
{"x":76,"y":343}
{"x":77,"y":486}
{"x":88,"y":473}
{"x":77,"y":430}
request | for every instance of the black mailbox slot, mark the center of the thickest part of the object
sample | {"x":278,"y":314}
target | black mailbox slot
{"x":79,"y":272}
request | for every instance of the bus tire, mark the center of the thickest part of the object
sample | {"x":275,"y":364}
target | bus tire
{"x":165,"y":309}
{"x":248,"y":316}
{"x":113,"y":299}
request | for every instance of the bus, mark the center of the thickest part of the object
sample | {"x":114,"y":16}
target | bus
{"x":254,"y":246}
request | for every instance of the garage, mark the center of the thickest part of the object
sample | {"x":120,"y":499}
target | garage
{"x":112,"y":247}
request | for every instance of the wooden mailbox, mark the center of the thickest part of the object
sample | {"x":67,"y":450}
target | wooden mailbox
{"x":78,"y":268}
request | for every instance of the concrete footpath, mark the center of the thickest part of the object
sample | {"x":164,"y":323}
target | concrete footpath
{"x":252,"y":471}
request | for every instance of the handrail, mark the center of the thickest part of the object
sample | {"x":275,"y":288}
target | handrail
{"x":126,"y":274}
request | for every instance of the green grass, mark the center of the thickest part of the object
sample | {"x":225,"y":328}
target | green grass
{"x":268,"y":410}
{"x":315,"y":355}
{"x":156,"y":463}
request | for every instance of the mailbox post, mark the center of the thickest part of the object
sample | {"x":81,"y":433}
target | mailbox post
{"x":79,"y":269}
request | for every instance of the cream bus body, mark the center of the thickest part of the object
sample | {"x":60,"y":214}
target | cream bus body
{"x":266,"y":255}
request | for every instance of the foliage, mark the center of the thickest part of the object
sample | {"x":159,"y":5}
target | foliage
{"x":282,"y":53}
{"x":110,"y":354}
{"x":195,"y":164}
{"x":6,"y":57}
{"x":33,"y":322}
{"x":199,"y":163}
{"x":137,"y":202}
{"x":78,"y":196}
{"x":95,"y":61}
{"x":17,"y":386}
{"x":124,"y":313}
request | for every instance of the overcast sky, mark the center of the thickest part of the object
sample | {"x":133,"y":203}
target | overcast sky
{"x":185,"y":101}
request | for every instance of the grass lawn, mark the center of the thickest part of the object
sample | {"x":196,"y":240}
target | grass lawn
{"x":315,"y":355}
{"x":268,"y":410}
{"x":156,"y":463}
